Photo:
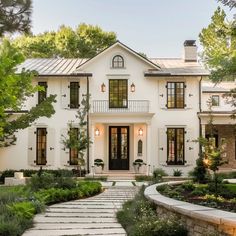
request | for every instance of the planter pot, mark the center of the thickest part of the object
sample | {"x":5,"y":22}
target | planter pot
{"x":98,"y":169}
{"x":139,"y":169}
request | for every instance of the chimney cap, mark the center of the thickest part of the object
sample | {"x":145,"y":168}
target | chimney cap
{"x":190,"y":43}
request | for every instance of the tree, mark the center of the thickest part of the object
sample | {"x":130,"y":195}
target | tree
{"x":219,"y":47}
{"x":14,"y":90}
{"x":15,"y":16}
{"x":78,"y":139}
{"x":83,"y":42}
{"x":230,"y":3}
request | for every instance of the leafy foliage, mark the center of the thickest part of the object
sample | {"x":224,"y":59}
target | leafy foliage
{"x":83,"y":42}
{"x":15,"y":16}
{"x":219,"y":47}
{"x":15,"y":88}
{"x":230,"y":3}
{"x":138,"y":217}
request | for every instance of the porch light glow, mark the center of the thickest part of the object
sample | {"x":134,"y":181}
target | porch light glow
{"x":132,"y":87}
{"x":140,"y":132}
{"x":103,"y":87}
{"x":97,"y":132}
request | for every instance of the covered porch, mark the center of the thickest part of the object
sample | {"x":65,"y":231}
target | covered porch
{"x":119,"y":140}
{"x":223,"y":129}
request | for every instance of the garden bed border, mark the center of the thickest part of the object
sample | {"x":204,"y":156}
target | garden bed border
{"x":199,"y":220}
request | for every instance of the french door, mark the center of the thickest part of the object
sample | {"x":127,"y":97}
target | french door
{"x":118,"y":148}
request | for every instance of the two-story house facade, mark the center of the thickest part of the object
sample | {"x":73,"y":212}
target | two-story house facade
{"x":140,"y":109}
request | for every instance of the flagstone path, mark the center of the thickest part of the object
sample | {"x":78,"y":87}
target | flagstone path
{"x":92,"y":216}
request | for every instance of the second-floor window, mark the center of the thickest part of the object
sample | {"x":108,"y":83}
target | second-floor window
{"x":118,"y":62}
{"x":43,"y":93}
{"x":175,"y":95}
{"x":118,"y":93}
{"x":74,"y":94}
{"x":215,"y":100}
{"x":175,"y":146}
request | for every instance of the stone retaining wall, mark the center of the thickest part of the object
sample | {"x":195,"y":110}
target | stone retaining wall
{"x":199,"y":220}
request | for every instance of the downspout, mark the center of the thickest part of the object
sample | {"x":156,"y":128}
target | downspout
{"x":200,"y":110}
{"x":88,"y":124}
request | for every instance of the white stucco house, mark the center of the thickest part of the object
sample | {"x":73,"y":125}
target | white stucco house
{"x":149,"y":109}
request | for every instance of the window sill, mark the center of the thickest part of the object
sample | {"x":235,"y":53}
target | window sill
{"x":177,"y":109}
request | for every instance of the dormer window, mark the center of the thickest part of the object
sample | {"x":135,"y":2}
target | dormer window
{"x":118,"y":62}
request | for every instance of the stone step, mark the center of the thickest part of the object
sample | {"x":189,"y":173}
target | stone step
{"x":80,"y":210}
{"x":79,"y":215}
{"x":80,"y":232}
{"x":57,"y":226}
{"x":87,"y":206}
{"x":76,"y":220}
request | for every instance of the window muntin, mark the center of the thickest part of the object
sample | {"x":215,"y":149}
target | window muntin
{"x":73,"y":151}
{"x":215,"y":100}
{"x":118,"y":93}
{"x":175,"y":146}
{"x":42,"y":94}
{"x":74,"y":94}
{"x":175,"y":94}
{"x":118,"y":62}
{"x":41,"y":146}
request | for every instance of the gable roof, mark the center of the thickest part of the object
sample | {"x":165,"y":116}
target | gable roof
{"x":146,"y":60}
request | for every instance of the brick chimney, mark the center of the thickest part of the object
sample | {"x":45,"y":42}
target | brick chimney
{"x":190,"y":50}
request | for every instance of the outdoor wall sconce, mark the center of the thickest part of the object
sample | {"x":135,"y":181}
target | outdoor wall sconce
{"x":140,"y":132}
{"x":132,"y":87}
{"x":97,"y":132}
{"x":103,"y":87}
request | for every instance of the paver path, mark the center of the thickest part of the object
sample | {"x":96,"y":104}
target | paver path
{"x":91,"y":216}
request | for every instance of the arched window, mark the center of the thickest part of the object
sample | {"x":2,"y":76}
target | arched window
{"x":140,"y":147}
{"x":118,"y":62}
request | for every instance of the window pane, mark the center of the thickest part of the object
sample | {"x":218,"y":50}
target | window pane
{"x":118,"y":94}
{"x":74,"y":94}
{"x":215,"y":99}
{"x":175,"y":95}
{"x":41,"y":157}
{"x":118,"y":62}
{"x":175,"y":142}
{"x":74,"y":151}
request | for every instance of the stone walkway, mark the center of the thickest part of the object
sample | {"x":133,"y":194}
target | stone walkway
{"x":91,"y":216}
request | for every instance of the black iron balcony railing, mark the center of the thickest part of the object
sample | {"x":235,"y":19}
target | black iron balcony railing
{"x":103,"y":106}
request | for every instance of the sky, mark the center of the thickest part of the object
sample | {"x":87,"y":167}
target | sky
{"x":157,"y":28}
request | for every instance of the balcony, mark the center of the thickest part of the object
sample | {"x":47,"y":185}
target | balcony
{"x":134,"y":106}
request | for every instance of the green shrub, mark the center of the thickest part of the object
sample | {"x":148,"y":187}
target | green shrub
{"x":157,"y":173}
{"x":199,"y":173}
{"x":139,"y":218}
{"x":188,"y":186}
{"x":177,"y":172}
{"x":23,"y":209}
{"x":198,"y":192}
{"x":141,"y":178}
{"x":161,"y":226}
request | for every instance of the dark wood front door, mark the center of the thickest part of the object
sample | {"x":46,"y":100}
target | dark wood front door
{"x":118,"y":148}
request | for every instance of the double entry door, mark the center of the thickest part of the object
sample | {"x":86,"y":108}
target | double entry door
{"x":119,"y":148}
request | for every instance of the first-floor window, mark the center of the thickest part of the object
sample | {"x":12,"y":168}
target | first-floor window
{"x":41,"y":155}
{"x":74,"y":151}
{"x":175,"y":146}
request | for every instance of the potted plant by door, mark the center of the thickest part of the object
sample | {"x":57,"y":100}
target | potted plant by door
{"x":138,"y":163}
{"x":99,"y":165}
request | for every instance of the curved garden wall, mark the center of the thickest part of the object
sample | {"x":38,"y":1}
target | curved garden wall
{"x":199,"y":220}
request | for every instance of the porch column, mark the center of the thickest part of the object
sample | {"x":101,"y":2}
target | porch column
{"x":148,"y":140}
{"x":92,"y":148}
{"x":203,"y":130}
